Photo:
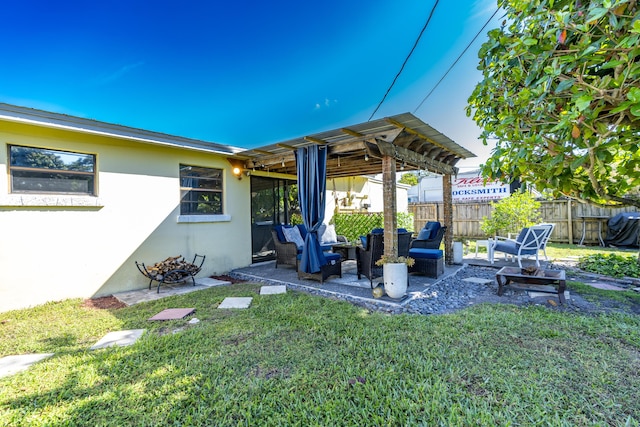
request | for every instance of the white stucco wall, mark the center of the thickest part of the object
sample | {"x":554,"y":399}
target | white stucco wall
{"x":51,"y":252}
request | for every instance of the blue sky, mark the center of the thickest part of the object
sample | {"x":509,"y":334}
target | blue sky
{"x":244,"y":73}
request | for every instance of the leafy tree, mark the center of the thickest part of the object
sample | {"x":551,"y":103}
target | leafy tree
{"x":511,"y":214}
{"x":561,"y":96}
{"x":409,"y":179}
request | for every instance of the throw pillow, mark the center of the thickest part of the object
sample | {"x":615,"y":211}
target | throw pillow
{"x":293,"y":235}
{"x":424,"y":234}
{"x":328,"y":234}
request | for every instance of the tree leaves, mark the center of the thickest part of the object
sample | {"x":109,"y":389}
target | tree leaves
{"x":567,"y":76}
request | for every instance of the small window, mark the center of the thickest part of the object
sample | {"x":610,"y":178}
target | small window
{"x":40,"y":170}
{"x":200,"y":191}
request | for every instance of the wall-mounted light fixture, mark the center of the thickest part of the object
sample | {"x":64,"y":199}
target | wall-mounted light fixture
{"x":237,"y":172}
{"x":237,"y":167}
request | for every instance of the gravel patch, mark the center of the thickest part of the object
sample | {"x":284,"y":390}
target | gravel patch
{"x":453,"y":293}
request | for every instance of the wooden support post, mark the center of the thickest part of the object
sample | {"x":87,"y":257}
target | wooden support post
{"x":447,"y":218}
{"x":389,"y":206}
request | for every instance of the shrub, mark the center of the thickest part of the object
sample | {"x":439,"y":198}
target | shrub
{"x":611,"y":265}
{"x":511,"y":214}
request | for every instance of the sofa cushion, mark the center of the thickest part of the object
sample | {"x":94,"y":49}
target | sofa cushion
{"x":424,"y":234}
{"x":419,"y":253}
{"x":430,"y":230}
{"x":523,"y":233}
{"x":327,"y":234}
{"x":303,"y":230}
{"x":293,"y":235}
{"x":331,"y":257}
{"x":511,"y":247}
{"x":279,"y":232}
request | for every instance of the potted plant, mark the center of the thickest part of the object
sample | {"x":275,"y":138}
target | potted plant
{"x":395,"y":274}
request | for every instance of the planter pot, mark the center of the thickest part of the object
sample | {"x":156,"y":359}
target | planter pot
{"x":395,"y":279}
{"x":457,"y":252}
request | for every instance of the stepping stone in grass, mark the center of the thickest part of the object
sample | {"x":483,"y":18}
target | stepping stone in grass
{"x":533,"y":294}
{"x":173,"y":314}
{"x":119,"y":338}
{"x":605,"y":286}
{"x":273,"y":290}
{"x":236,"y":302}
{"x":10,"y":365}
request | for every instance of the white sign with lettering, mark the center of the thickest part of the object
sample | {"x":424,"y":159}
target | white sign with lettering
{"x":474,"y":188}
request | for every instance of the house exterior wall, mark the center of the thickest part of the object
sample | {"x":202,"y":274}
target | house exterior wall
{"x":57,"y":247}
{"x":352,"y":194}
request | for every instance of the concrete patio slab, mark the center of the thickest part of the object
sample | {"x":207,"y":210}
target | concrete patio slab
{"x":273,"y":290}
{"x":208,"y":282}
{"x":118,"y":338}
{"x":10,"y":365}
{"x":144,"y":295}
{"x":236,"y":302}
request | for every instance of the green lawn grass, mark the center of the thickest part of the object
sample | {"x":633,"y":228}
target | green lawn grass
{"x":296,"y":359}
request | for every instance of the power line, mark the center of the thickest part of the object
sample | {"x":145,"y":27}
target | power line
{"x":433,"y":9}
{"x":456,"y":61}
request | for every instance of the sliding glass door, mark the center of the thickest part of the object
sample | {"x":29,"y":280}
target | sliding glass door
{"x":273,"y":201}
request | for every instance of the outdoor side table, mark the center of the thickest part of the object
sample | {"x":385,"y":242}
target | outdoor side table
{"x":346,"y":250}
{"x":529,"y":282}
{"x":599,"y":219}
{"x":484,"y":243}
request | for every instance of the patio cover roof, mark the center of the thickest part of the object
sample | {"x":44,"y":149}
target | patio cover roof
{"x":359,"y":149}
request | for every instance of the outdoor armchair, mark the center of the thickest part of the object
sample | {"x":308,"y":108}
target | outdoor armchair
{"x":430,"y":237}
{"x":373,"y":249}
{"x":286,"y":252}
{"x":529,"y":242}
{"x":367,"y":256}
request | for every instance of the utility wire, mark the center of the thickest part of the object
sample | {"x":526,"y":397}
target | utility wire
{"x":433,"y":9}
{"x":456,"y":61}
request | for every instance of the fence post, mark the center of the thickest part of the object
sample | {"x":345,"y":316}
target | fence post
{"x":570,"y":221}
{"x":447,"y":217}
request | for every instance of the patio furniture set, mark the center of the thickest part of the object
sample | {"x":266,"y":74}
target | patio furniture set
{"x":424,"y":249}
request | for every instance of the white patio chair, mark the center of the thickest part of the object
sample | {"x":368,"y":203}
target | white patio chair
{"x":550,"y":228}
{"x":529,"y":242}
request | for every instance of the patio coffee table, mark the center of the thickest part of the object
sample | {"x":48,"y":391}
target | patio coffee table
{"x":346,"y":250}
{"x":541,"y":277}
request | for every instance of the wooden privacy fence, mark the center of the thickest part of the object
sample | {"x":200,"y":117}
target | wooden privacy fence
{"x":570,"y":217}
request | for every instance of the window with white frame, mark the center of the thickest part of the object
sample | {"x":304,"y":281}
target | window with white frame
{"x":42,"y":170}
{"x":200,"y":190}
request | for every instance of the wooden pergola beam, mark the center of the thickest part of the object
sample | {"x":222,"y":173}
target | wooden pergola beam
{"x":409,"y":156}
{"x":415,"y":132}
{"x":315,"y":140}
{"x":352,"y":132}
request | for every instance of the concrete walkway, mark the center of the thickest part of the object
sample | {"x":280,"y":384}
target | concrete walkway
{"x":143,"y":295}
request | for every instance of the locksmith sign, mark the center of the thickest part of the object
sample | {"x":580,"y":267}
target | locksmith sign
{"x":474,"y":188}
